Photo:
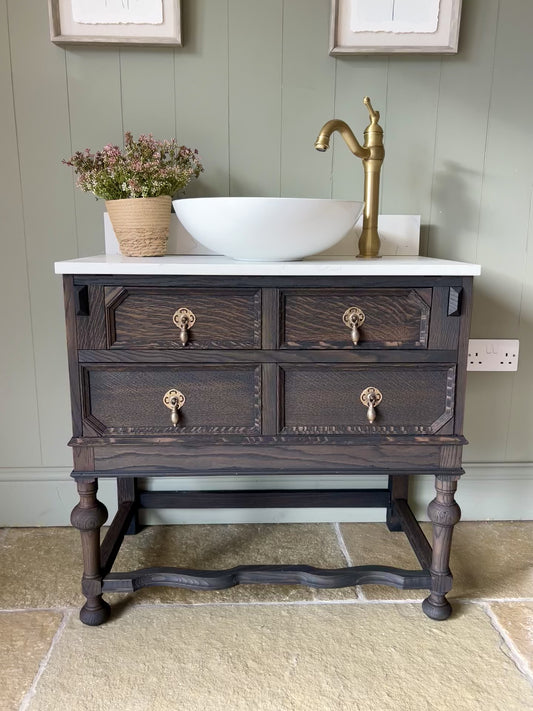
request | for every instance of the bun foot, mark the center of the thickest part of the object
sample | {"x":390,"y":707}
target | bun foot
{"x":439,"y":609}
{"x":96,"y":613}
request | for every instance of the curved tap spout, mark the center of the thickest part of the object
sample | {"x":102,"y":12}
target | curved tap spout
{"x":372,"y":154}
{"x":322,"y":142}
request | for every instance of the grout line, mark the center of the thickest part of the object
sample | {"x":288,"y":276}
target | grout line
{"x":342,"y":545}
{"x":376,"y":601}
{"x":44,"y":662}
{"x":512,"y":651}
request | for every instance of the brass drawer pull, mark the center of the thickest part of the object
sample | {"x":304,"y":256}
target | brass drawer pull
{"x":371,"y":397}
{"x":174,"y":400}
{"x":184,"y":319}
{"x":354,"y":318}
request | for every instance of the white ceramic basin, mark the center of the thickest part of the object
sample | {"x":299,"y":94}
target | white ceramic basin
{"x":267,"y":229}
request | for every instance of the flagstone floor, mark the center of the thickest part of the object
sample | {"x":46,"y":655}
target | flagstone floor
{"x":268,"y":648}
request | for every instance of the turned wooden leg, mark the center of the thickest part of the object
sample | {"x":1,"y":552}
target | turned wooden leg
{"x":398,"y":489}
{"x":444,"y":513}
{"x":88,"y":517}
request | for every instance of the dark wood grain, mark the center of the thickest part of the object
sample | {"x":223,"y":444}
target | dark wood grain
{"x":266,"y":498}
{"x":398,"y":487}
{"x":72,"y":349}
{"x":266,"y":574}
{"x":142,"y":318}
{"x":394,"y":318}
{"x":91,"y":326}
{"x":129,"y":400}
{"x":320,"y":399}
{"x":267,"y":356}
{"x":272,"y":382}
{"x":274,"y":459}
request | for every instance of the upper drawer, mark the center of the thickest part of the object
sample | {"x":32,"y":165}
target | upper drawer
{"x":142,"y":317}
{"x":393,"y":318}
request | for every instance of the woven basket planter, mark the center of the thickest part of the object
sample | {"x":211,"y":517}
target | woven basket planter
{"x":141,"y":225}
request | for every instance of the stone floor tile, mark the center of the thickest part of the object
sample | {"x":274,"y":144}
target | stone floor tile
{"x":43,"y":565}
{"x":490,"y":559}
{"x":226,"y":546}
{"x":516,"y":618}
{"x":325,"y":657}
{"x":25,"y":638}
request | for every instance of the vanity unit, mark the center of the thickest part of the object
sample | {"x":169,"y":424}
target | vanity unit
{"x":201,"y":366}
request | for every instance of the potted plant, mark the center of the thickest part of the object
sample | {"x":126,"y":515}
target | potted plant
{"x":137,"y":184}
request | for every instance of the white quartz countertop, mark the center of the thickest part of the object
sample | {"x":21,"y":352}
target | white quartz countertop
{"x":215,"y":265}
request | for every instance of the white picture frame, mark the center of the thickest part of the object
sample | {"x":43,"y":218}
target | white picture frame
{"x":65,"y":30}
{"x":345,"y":41}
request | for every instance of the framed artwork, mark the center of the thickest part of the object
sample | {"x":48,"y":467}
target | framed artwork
{"x":390,"y":26}
{"x":115,"y":22}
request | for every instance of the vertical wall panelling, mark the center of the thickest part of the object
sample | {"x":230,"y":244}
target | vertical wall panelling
{"x":17,"y":373}
{"x":201,"y":92}
{"x":147,"y":84}
{"x":520,"y":425}
{"x":502,"y":240}
{"x":307,"y":98}
{"x":464,"y":102}
{"x":503,"y":243}
{"x":250,"y":88}
{"x":94,"y":99}
{"x":255,"y":69}
{"x":412,"y":100}
{"x":357,"y":77}
{"x":41,"y":108}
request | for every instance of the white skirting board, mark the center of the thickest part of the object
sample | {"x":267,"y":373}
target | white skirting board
{"x":488,"y":491}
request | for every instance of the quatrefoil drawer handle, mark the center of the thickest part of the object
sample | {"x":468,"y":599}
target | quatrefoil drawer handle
{"x":184,"y":319}
{"x":354,"y":318}
{"x":371,"y":397}
{"x":174,"y":400}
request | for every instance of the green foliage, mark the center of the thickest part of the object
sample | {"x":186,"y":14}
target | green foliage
{"x":145,"y":168}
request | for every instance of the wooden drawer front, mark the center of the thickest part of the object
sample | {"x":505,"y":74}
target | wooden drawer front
{"x":219,"y":399}
{"x":394,"y":318}
{"x":325,"y":399}
{"x":142,"y":317}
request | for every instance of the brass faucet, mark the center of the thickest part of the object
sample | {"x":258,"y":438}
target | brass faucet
{"x":372,"y":154}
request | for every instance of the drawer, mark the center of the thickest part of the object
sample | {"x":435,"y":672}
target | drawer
{"x":393,"y":318}
{"x":326,"y":399}
{"x":141,"y":317}
{"x":124,"y":399}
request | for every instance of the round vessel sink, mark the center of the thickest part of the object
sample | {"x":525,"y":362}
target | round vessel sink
{"x":267,"y":229}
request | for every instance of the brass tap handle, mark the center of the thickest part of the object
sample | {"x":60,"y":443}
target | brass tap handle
{"x":354,"y":318}
{"x":184,"y":319}
{"x":371,"y":397}
{"x":174,"y":400}
{"x":374,"y":115}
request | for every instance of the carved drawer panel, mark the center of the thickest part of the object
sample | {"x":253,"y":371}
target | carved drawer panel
{"x":320,"y":399}
{"x":384,"y":318}
{"x":218,"y":399}
{"x":141,"y":317}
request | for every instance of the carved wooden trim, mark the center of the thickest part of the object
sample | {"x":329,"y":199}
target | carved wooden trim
{"x":267,"y":574}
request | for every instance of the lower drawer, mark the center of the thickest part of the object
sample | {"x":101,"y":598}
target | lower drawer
{"x":321,"y":399}
{"x":123,"y":399}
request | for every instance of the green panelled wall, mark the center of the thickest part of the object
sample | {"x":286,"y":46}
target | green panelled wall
{"x":250,"y":88}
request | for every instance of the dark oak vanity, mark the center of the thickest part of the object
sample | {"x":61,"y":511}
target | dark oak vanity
{"x":310,"y":370}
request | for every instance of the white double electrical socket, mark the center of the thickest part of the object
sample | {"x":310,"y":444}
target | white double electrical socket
{"x":491,"y":354}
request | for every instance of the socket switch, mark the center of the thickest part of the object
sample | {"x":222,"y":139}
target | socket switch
{"x":492,"y":354}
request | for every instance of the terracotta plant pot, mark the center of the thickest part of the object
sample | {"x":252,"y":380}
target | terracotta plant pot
{"x":141,"y":225}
